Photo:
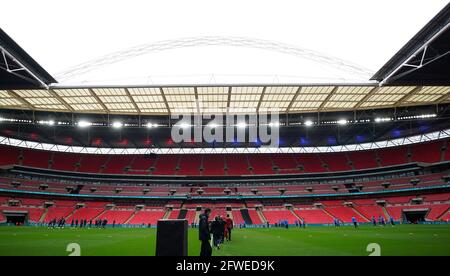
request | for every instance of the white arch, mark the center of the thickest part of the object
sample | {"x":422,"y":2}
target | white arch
{"x":164,"y":45}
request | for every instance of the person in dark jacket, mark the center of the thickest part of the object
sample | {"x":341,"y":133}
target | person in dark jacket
{"x":205,"y":234}
{"x":223,"y":225}
{"x":217,"y":231}
{"x":229,"y":226}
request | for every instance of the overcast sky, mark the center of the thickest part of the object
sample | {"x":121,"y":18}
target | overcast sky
{"x":60,"y":35}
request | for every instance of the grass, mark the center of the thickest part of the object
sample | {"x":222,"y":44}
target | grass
{"x":398,"y":240}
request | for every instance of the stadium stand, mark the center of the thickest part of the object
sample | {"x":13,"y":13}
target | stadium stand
{"x":369,"y":211}
{"x":344,"y":214}
{"x":147,"y":217}
{"x":261,"y":164}
{"x":363,"y":159}
{"x":310,"y":163}
{"x":237,"y":217}
{"x":56,"y":212}
{"x":166,"y":165}
{"x":286,"y":164}
{"x":88,"y":213}
{"x":243,"y":211}
{"x":427,"y":152}
{"x":117,"y":165}
{"x":65,"y":162}
{"x":9,"y":156}
{"x":190,"y":216}
{"x":336,"y":161}
{"x":117,"y":216}
{"x":36,"y":158}
{"x":446,"y":217}
{"x":363,"y":211}
{"x":275,"y":216}
{"x":189,"y":164}
{"x":255,"y":218}
{"x":236,"y":164}
{"x":314,"y":216}
{"x":393,"y":156}
{"x":92,"y":163}
{"x":140,"y":165}
{"x":213,"y":165}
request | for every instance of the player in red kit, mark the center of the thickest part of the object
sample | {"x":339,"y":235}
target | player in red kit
{"x":228,"y":227}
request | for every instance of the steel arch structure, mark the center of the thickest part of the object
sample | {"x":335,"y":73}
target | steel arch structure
{"x":200,"y":41}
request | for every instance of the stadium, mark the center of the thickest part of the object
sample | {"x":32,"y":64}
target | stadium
{"x":301,"y":168}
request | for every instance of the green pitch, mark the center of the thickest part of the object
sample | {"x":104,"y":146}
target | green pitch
{"x":398,"y":240}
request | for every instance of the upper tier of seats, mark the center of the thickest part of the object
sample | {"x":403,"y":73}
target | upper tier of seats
{"x":222,"y":165}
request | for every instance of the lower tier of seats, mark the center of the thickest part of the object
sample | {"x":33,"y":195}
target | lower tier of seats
{"x":432,"y":207}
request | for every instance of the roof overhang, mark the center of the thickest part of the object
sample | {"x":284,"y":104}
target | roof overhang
{"x":425,"y":59}
{"x":18,"y":69}
{"x":220,"y":99}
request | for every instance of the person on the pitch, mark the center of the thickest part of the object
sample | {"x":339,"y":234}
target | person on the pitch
{"x":217,"y":229}
{"x":205,"y":234}
{"x":355,"y":222}
{"x":391,"y":220}
{"x":229,"y":226}
{"x":223,"y":226}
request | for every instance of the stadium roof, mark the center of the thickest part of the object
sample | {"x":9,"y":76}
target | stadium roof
{"x":425,"y":59}
{"x":18,"y":69}
{"x":161,"y":100}
{"x":38,"y":90}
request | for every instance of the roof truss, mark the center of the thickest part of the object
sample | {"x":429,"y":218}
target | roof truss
{"x":166,"y":100}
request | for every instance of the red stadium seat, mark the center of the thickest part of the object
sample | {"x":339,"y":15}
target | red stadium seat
{"x":36,"y":158}
{"x":9,"y":156}
{"x":427,"y":152}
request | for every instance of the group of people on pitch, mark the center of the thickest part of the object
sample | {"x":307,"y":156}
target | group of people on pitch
{"x":220,"y":229}
{"x":82,"y":223}
{"x":99,"y":223}
{"x":382,"y":221}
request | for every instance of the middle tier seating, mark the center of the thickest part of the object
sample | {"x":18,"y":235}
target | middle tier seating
{"x":226,"y":164}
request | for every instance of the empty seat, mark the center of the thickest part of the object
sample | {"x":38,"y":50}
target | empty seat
{"x":65,"y":161}
{"x":363,"y":159}
{"x":310,"y":163}
{"x":36,"y":158}
{"x":393,"y":156}
{"x":427,"y":152}
{"x":9,"y":156}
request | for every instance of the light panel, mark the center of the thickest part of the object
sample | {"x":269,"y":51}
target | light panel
{"x":33,"y":93}
{"x":6,"y":100}
{"x":151,"y":100}
{"x":219,"y":90}
{"x":87,"y":107}
{"x":109,"y":91}
{"x":386,"y":96}
{"x":9,"y":102}
{"x":179,"y":91}
{"x":73,"y":92}
{"x":428,"y":94}
{"x":310,"y":98}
